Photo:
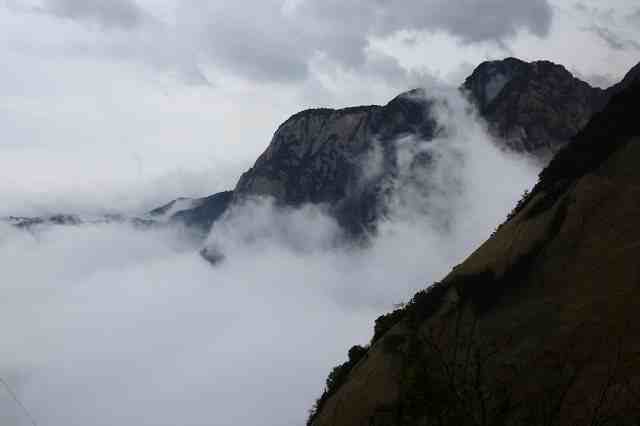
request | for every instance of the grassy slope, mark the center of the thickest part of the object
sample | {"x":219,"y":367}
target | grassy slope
{"x":538,"y":325}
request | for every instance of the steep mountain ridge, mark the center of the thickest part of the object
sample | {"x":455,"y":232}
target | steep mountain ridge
{"x":537,"y":326}
{"x":344,"y":158}
{"x":535,"y":107}
{"x":317,"y":156}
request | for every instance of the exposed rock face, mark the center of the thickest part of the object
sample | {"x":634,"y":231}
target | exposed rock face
{"x":539,"y":325}
{"x":536,"y":107}
{"x":340,"y":158}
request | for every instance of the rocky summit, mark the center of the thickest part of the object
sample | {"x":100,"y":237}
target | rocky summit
{"x":534,"y":107}
{"x":322,"y":156}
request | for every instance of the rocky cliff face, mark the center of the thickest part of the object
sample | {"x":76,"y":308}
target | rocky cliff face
{"x":535,"y":107}
{"x":324,"y":156}
{"x":538,"y":326}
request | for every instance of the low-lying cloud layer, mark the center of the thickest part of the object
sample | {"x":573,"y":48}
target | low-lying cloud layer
{"x":110,"y":325}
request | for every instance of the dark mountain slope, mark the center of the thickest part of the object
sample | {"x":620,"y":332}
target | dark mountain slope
{"x":539,"y":325}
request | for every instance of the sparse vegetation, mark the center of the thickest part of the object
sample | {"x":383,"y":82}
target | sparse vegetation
{"x":522,"y":202}
{"x":425,"y":303}
{"x":336,"y":379}
{"x":385,"y":322}
{"x":520,"y":205}
{"x":455,"y":379}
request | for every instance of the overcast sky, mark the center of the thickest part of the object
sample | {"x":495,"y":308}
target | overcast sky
{"x":122,"y":104}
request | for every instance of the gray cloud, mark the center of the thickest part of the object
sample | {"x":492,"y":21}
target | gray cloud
{"x":125,"y":14}
{"x":580,"y":6}
{"x":471,"y":21}
{"x":276,"y":40}
{"x":276,"y":46}
{"x":281,"y":42}
{"x":613,"y":40}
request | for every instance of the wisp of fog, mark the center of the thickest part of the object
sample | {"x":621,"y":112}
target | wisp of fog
{"x":107,"y":324}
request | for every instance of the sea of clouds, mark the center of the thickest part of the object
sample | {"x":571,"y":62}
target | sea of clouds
{"x":107,"y":324}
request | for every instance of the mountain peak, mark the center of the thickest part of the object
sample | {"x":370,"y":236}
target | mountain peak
{"x":489,"y":78}
{"x":535,"y":106}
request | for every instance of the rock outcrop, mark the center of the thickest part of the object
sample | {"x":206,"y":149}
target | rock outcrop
{"x":539,"y":325}
{"x":340,"y":158}
{"x":534,"y":107}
